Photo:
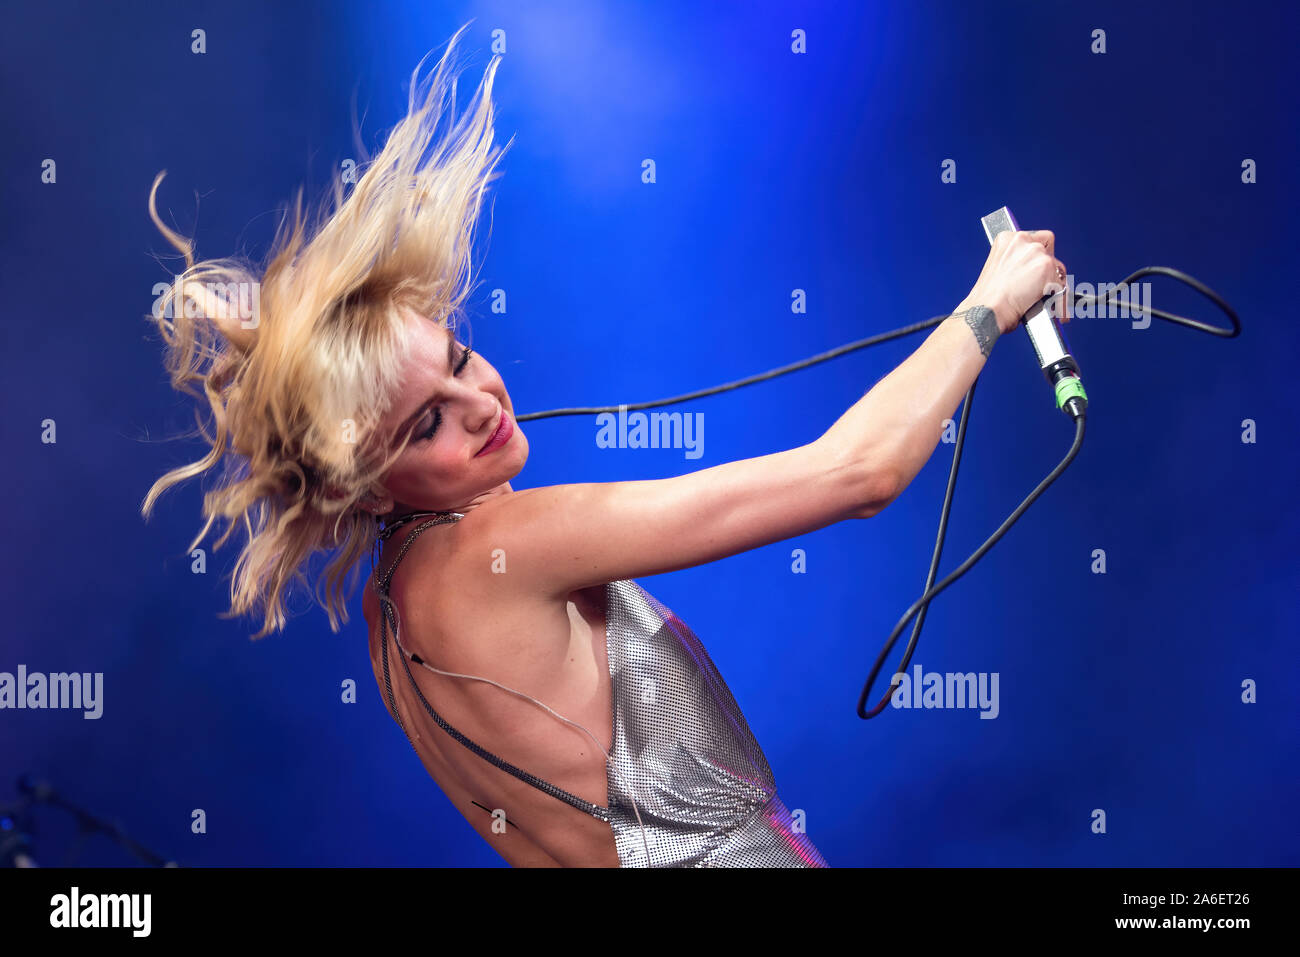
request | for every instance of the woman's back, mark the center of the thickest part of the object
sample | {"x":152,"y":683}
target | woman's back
{"x":552,"y":651}
{"x":686,"y":782}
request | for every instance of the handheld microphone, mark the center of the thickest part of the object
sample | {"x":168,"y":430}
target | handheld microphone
{"x":1054,"y":358}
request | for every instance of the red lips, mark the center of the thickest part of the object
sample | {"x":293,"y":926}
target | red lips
{"x":505,"y":429}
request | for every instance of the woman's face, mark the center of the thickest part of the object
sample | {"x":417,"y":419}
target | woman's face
{"x":455,"y":407}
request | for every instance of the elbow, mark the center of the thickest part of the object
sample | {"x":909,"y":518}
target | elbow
{"x":877,"y":491}
{"x":863,"y":486}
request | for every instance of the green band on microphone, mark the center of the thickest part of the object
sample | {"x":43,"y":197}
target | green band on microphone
{"x":1068,"y":387}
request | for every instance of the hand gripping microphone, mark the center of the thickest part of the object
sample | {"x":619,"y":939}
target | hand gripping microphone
{"x":1058,"y":366}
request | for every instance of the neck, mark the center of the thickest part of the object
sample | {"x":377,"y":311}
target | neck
{"x":401,"y":509}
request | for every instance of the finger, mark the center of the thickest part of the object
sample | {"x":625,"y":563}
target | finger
{"x":1063,"y":301}
{"x":1044,"y":236}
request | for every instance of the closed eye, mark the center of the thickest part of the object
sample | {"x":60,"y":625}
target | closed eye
{"x":437,"y":411}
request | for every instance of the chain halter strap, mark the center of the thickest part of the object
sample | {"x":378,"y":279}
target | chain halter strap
{"x":385,"y":533}
{"x":381,"y":582}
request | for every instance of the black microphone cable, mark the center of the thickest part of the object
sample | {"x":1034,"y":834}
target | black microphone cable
{"x":919,"y":608}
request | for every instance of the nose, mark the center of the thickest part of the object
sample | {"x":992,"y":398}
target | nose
{"x":482,"y":411}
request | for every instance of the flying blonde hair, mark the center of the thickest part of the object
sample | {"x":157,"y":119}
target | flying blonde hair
{"x":297,"y":385}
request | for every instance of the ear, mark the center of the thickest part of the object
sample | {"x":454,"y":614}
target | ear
{"x":378,"y":503}
{"x":371,"y":501}
{"x":224,"y":315}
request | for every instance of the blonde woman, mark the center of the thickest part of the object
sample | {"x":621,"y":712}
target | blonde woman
{"x":569,"y":716}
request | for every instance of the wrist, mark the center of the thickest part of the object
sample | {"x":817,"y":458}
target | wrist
{"x":1001,"y":311}
{"x":980,"y":323}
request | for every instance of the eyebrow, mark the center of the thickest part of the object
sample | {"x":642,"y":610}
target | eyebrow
{"x":424,"y":406}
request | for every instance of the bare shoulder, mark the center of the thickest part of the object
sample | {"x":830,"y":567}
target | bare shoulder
{"x":469,"y":558}
{"x":458,"y":595}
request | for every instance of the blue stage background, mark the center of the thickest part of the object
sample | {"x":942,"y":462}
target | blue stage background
{"x":775,"y":171}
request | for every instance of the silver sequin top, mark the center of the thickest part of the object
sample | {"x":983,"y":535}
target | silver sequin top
{"x":681,"y":746}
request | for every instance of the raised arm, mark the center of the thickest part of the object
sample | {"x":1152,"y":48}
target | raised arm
{"x":559,"y":538}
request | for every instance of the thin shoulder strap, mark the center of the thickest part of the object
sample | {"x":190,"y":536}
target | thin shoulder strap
{"x":389,"y":617}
